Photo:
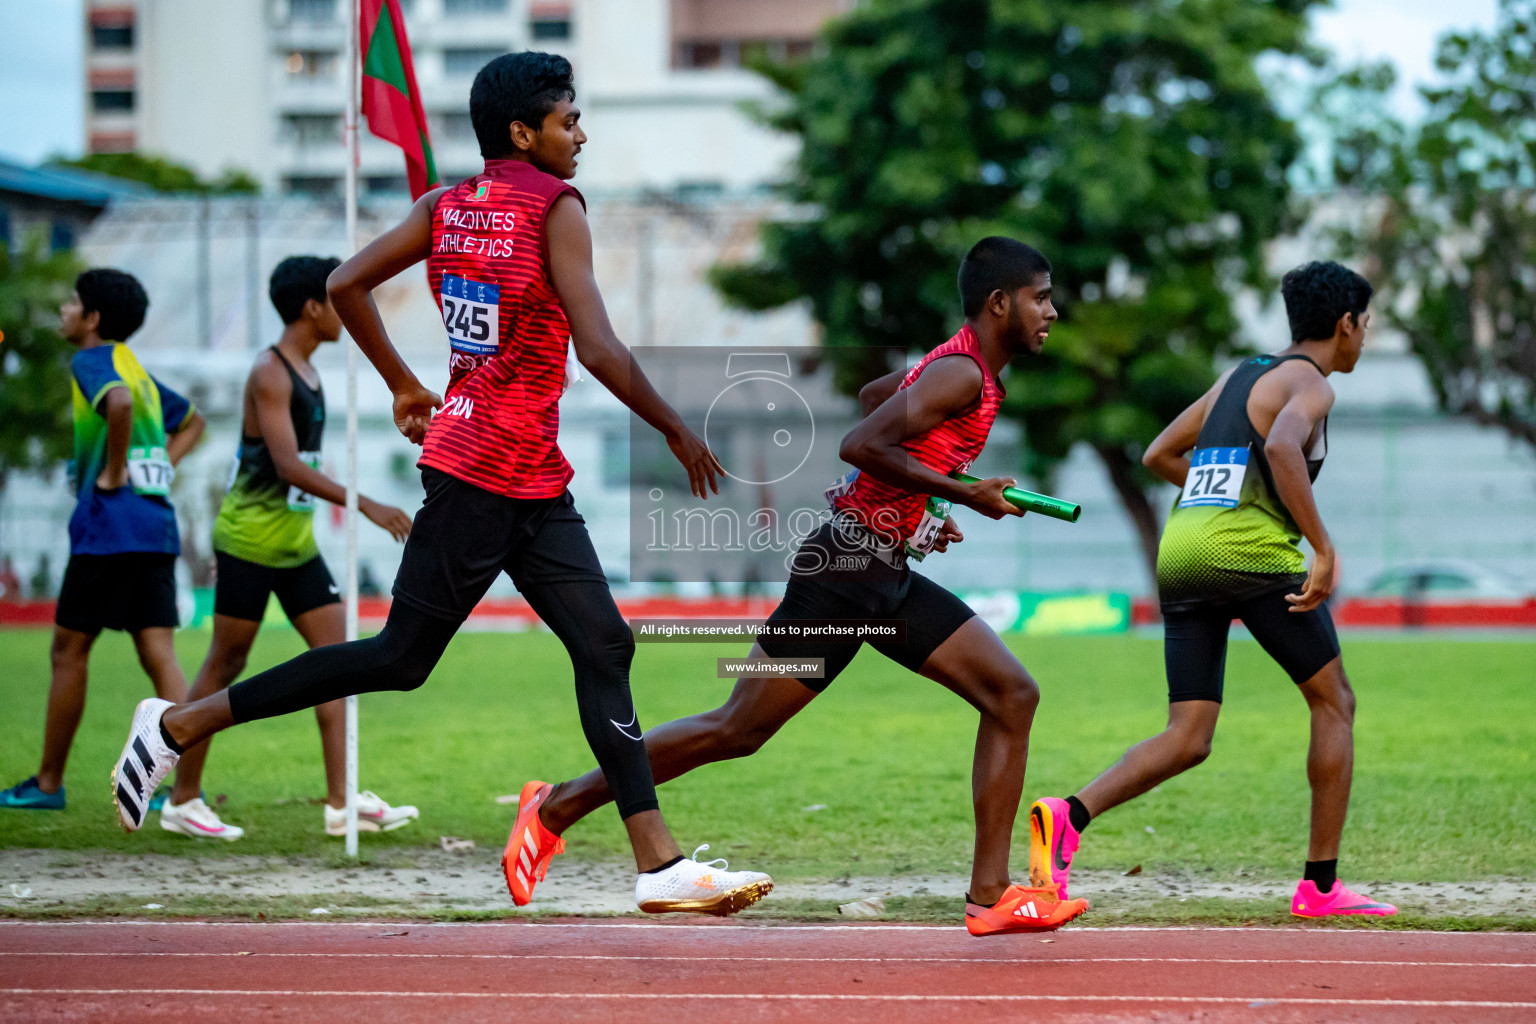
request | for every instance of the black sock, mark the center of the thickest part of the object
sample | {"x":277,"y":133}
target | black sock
{"x":675,"y":860}
{"x":1077,"y":813}
{"x":1322,"y":873}
{"x":166,"y":738}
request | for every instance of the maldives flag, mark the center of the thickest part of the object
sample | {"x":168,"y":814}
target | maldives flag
{"x":391,"y":101}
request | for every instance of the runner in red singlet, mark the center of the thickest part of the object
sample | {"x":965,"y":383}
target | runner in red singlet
{"x":920,"y":425}
{"x":509,"y":260}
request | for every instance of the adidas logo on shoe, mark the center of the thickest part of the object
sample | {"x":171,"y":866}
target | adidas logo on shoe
{"x":1027,"y":910}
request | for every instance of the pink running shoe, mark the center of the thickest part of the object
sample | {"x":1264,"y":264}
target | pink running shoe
{"x":1336,"y":902}
{"x":1052,"y":842}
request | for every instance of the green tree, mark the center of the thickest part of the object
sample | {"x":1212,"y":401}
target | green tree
{"x":34,"y":359}
{"x":161,"y":174}
{"x":1131,"y":141}
{"x":1452,"y":235}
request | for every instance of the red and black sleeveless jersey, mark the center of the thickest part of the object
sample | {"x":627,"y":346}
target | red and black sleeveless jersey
{"x":950,"y":446}
{"x":500,"y":420}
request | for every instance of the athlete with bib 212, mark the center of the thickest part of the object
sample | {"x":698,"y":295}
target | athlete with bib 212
{"x":264,"y":544}
{"x":1245,"y":457}
{"x":509,"y":260}
{"x":920,"y":425}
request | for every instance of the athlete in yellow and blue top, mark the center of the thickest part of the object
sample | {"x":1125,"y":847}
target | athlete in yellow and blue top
{"x":130,"y":432}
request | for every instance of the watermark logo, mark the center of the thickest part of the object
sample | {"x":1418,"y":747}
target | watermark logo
{"x":774,"y":418}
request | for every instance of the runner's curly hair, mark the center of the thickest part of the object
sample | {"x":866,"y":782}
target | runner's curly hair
{"x":516,"y":87}
{"x":117,"y":296}
{"x":1318,"y":294}
{"x":298,"y":279}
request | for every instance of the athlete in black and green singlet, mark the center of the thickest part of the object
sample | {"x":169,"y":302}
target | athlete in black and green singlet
{"x":1244,"y":457}
{"x":264,"y":543}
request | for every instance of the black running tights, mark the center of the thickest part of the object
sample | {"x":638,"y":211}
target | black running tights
{"x":581,"y":613}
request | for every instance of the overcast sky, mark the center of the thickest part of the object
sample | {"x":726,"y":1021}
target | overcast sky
{"x":42,"y":95}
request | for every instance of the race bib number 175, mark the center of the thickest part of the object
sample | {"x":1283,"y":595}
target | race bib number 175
{"x":1215,"y":477}
{"x":471,"y":314}
{"x":149,"y":471}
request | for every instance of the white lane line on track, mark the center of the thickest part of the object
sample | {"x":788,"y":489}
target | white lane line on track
{"x":775,"y":997}
{"x":1033,"y":961}
{"x":740,"y":926}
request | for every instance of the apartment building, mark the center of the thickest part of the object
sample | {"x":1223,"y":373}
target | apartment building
{"x":258,"y":85}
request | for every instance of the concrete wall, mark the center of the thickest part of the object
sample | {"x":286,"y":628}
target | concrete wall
{"x":205,"y":83}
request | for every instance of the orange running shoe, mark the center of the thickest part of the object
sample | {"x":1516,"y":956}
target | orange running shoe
{"x":531,"y":846}
{"x":1022,"y":909}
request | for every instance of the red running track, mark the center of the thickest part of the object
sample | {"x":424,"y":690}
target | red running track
{"x":694,"y":973}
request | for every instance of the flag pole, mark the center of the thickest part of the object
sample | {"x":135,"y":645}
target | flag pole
{"x":351,"y":204}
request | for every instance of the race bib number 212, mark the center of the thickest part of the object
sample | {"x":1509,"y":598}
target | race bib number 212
{"x":1215,"y":477}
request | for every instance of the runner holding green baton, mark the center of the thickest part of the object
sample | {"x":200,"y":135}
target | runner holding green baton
{"x":1029,"y":501}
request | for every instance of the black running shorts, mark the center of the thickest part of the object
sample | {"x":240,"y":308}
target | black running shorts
{"x":1195,"y":642}
{"x":130,"y":591}
{"x":242,"y":588}
{"x":869,"y":589}
{"x":464,"y":535}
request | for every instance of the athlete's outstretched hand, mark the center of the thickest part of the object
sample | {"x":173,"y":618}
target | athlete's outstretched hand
{"x":698,"y":460}
{"x":387,"y":517}
{"x":949,"y":534}
{"x":986,"y":497}
{"x":1319,"y":583}
{"x":413,"y":410}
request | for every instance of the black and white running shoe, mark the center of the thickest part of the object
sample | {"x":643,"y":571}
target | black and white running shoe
{"x":143,"y":765}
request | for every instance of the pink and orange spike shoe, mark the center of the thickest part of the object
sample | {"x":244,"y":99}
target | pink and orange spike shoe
{"x":1340,"y":901}
{"x":531,"y":846}
{"x":1022,"y":909}
{"x":1052,"y":842}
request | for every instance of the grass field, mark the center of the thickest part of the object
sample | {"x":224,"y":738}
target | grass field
{"x":1445,"y":781}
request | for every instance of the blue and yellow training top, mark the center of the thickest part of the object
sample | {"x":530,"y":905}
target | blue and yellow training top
{"x":138,"y":516}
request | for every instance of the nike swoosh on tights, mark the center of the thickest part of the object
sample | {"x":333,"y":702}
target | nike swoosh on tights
{"x":633,"y":718}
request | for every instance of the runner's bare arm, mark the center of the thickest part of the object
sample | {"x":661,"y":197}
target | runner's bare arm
{"x":1285,"y":448}
{"x":1168,"y":454}
{"x":599,"y":349}
{"x":946,"y":388}
{"x":272,"y":391}
{"x":116,"y":407}
{"x":185,"y":439}
{"x":874,"y":394}
{"x":351,"y":290}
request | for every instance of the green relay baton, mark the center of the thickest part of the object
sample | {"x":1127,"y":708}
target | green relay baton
{"x":1029,"y":501}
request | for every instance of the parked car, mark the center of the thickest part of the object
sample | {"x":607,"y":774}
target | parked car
{"x":1447,"y":580}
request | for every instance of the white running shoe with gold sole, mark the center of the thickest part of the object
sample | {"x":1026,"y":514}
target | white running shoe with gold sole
{"x":700,"y":887}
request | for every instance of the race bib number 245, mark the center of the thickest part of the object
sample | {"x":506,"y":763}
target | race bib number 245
{"x":1215,"y":477}
{"x":471,"y":314}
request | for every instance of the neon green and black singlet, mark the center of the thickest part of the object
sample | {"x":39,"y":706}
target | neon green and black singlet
{"x":262,"y":518}
{"x":1229,"y":537}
